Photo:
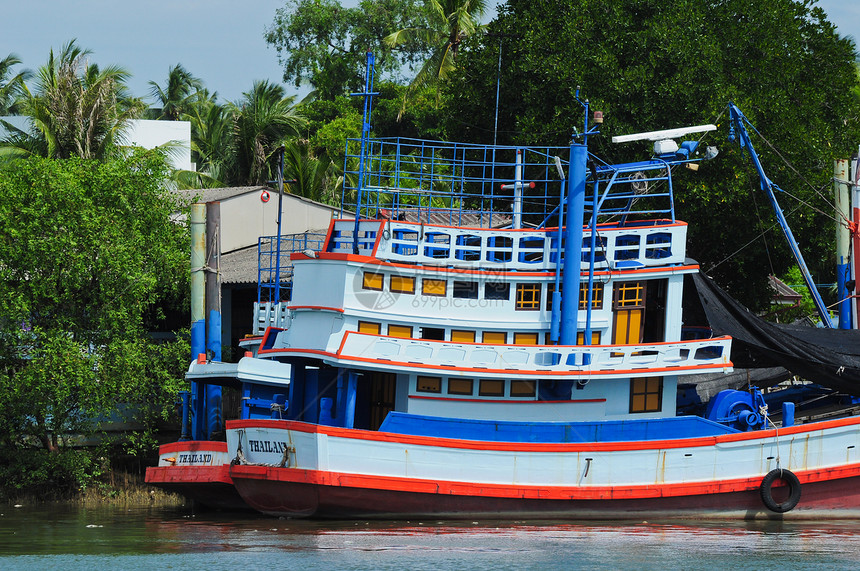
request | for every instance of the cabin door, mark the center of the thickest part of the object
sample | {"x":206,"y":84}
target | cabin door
{"x":382,"y":388}
{"x":628,"y":309}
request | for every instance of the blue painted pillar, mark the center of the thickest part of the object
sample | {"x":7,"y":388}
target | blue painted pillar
{"x":842,"y":192}
{"x":214,"y":420}
{"x":573,"y":244}
{"x":198,"y":315}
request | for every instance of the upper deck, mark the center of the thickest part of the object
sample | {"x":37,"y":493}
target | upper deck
{"x":633,"y":245}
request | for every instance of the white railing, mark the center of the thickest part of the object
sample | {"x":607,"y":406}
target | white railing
{"x":270,"y":314}
{"x":609,"y":360}
{"x":536,"y":250}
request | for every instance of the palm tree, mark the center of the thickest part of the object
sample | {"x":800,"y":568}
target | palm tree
{"x":211,"y":141}
{"x":76,"y":109}
{"x":10,"y":86}
{"x":316,"y":177}
{"x":264,"y":120}
{"x":178,"y":95}
{"x":449,"y":23}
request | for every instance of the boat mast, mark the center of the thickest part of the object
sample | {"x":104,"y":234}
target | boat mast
{"x":365,"y":133}
{"x":738,"y":128}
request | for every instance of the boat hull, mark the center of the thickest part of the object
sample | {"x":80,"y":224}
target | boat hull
{"x":275,"y":494}
{"x":295,"y":469}
{"x":199,"y":471}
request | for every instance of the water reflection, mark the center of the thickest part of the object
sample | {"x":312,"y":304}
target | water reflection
{"x":76,"y":538}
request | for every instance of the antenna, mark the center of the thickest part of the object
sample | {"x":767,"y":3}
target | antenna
{"x":665,"y":134}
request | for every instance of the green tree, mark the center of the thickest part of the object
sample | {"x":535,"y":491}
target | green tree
{"x":263,"y":121}
{"x":10,"y":85}
{"x":652,"y":65}
{"x":76,"y":109}
{"x":449,"y":22}
{"x":87,"y":250}
{"x":325,"y":44}
{"x":178,"y":96}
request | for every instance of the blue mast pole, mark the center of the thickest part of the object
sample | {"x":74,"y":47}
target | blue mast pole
{"x":738,"y":120}
{"x":280,"y":210}
{"x":573,"y":243}
{"x":365,"y":133}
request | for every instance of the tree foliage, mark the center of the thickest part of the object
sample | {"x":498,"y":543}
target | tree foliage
{"x":448,"y":23}
{"x":652,"y":65}
{"x":87,"y":249}
{"x":325,"y":44}
{"x":178,"y":95}
{"x":10,"y":85}
{"x":76,"y":109}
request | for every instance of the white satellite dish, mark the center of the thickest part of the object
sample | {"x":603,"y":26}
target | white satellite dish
{"x":663,"y":135}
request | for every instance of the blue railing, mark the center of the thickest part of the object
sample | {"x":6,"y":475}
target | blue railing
{"x":475,"y":185}
{"x":267,"y":266}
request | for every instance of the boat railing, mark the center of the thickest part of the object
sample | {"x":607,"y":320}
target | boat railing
{"x":486,"y":186}
{"x":270,"y":314}
{"x":658,"y":243}
{"x":604,"y":360}
{"x":274,"y":274}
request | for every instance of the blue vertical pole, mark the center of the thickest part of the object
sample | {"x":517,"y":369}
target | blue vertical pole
{"x":842,"y":194}
{"x":573,"y":243}
{"x":214,"y":420}
{"x":198,"y":315}
{"x":365,"y":133}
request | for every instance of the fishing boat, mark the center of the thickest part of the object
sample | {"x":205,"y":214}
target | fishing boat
{"x":499,"y":333}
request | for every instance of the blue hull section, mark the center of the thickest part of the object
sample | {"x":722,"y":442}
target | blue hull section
{"x":554,"y":432}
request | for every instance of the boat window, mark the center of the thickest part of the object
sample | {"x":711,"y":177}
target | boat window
{"x":437,"y":244}
{"x":462,"y":336}
{"x":428,"y":384}
{"x":402,"y":284}
{"x":468,"y":247}
{"x":523,"y":388}
{"x":400,"y":331}
{"x":595,"y":337}
{"x":523,"y":338}
{"x":646,"y":394}
{"x":372,"y":280}
{"x":495,"y":337}
{"x":405,"y":242}
{"x":465,"y":290}
{"x":531,"y":250}
{"x":627,"y":247}
{"x":528,"y":296}
{"x":460,"y":386}
{"x":497,"y":291}
{"x":434,"y":287}
{"x":658,"y":246}
{"x":599,"y":249}
{"x":499,"y":249}
{"x":629,"y":294}
{"x":369,"y":327}
{"x":491,"y":388}
{"x":596,"y":295}
{"x":434,"y":333}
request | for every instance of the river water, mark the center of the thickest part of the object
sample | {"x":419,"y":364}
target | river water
{"x":54,"y":536}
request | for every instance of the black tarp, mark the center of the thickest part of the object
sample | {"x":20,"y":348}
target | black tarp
{"x":829,"y":357}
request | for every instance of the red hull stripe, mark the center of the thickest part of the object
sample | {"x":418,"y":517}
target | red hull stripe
{"x":189,"y":475}
{"x":621,"y":492}
{"x":193,"y":446}
{"x":704,"y":441}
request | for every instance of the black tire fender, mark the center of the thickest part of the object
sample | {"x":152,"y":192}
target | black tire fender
{"x":790,"y":480}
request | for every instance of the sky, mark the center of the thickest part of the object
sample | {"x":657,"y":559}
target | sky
{"x":219,"y":41}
